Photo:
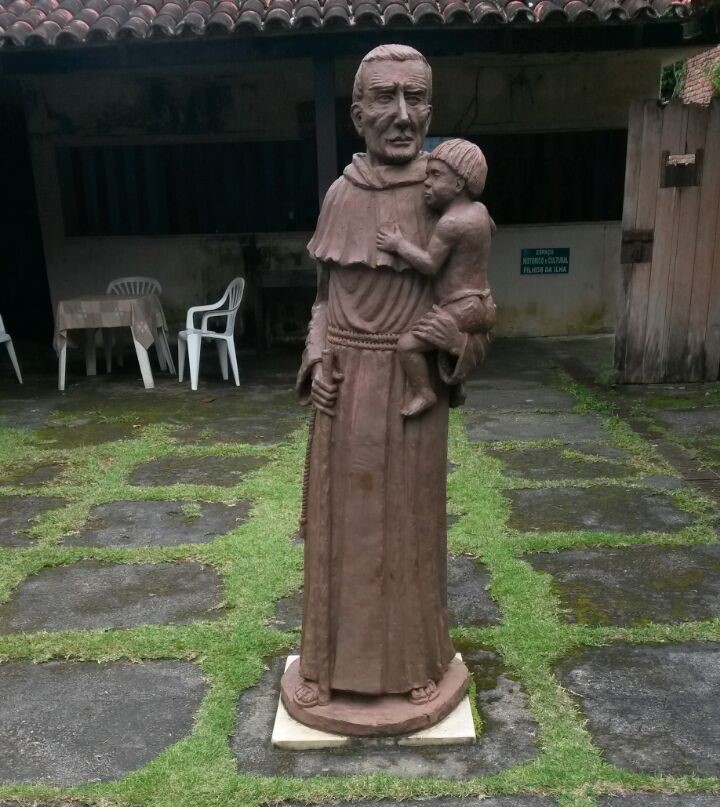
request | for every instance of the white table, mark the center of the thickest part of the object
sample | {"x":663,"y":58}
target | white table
{"x":143,"y":314}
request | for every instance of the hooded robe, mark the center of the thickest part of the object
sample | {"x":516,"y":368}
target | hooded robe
{"x":375,"y":612}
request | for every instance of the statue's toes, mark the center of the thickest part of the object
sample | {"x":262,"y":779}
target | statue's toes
{"x":306,"y":695}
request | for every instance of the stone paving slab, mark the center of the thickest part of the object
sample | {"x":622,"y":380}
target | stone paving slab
{"x":28,"y":411}
{"x":176,"y":470}
{"x":81,"y":432}
{"x":691,"y":423}
{"x":602,"y":508}
{"x":484,"y":428}
{"x":651,"y":708}
{"x":91,"y":595}
{"x":635,"y":585}
{"x":468,"y":600}
{"x":163,"y":523}
{"x":660,"y":800}
{"x":16,"y":513}
{"x":256,"y":413}
{"x":594,"y":462}
{"x":662,"y":481}
{"x":67,"y":723}
{"x":508,"y":738}
{"x":487,"y":397}
{"x":34,"y":476}
{"x":260,"y":428}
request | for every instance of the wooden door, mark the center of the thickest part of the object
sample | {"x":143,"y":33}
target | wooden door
{"x":669,"y":318}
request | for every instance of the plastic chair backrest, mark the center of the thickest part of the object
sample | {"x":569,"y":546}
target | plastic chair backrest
{"x":2,"y":327}
{"x":134,"y":285}
{"x":234,"y":295}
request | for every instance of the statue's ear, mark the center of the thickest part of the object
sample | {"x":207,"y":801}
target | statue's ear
{"x":428,"y":119}
{"x":356,"y":115}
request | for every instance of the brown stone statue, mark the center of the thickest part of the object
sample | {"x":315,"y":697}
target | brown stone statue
{"x":394,"y":281}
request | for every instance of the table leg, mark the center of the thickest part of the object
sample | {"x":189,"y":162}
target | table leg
{"x":62,"y":358}
{"x":90,"y":358}
{"x":107,"y":337}
{"x":144,"y":363}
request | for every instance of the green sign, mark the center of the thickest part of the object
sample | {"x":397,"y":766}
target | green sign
{"x":545,"y":261}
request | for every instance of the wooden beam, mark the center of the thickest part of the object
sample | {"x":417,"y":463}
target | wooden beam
{"x":325,"y":123}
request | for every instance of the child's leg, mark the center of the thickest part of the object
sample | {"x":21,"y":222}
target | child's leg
{"x":414,"y":364}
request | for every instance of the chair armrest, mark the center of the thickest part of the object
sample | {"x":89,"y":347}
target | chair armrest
{"x":206,"y":317}
{"x":189,"y":322}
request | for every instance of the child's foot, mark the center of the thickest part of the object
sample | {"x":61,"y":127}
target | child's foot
{"x":419,"y":403}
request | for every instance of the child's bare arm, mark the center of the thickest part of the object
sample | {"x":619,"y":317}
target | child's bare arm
{"x":430,"y":261}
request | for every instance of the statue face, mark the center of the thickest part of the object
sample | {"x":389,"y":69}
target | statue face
{"x":442,"y":185}
{"x":394,"y":114}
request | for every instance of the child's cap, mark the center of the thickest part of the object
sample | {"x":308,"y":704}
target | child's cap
{"x":466,"y":160}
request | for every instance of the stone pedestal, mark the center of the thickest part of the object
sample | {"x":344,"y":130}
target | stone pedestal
{"x":390,"y":719}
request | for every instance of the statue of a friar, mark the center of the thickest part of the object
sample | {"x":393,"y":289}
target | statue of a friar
{"x":403,"y":312}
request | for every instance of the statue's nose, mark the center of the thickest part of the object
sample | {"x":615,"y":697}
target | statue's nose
{"x":402,"y":113}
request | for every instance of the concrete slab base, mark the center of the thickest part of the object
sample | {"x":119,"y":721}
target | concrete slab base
{"x":455,"y":729}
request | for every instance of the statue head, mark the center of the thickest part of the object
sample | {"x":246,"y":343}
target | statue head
{"x":454,"y":166}
{"x":391,"y":103}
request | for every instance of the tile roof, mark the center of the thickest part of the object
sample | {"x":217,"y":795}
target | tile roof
{"x":72,"y":22}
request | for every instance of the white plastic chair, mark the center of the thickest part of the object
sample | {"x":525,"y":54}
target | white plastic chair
{"x":141,"y":285}
{"x":5,"y":338}
{"x":227,"y":306}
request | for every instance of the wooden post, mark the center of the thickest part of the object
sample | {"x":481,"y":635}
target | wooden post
{"x":325,"y":123}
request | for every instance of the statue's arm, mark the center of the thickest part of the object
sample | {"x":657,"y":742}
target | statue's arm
{"x":428,"y":262}
{"x":460,"y":352}
{"x":316,"y":338}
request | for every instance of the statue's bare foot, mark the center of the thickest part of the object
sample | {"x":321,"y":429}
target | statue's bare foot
{"x":421,"y":695}
{"x":419,"y":403}
{"x":307,"y":694}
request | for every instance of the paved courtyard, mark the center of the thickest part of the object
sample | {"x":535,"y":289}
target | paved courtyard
{"x":150,"y":589}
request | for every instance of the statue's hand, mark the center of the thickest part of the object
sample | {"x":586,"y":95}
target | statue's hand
{"x":323,"y":393}
{"x":388,"y":238}
{"x":441,"y":330}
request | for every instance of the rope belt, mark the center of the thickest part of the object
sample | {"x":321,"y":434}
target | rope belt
{"x":362,"y":341}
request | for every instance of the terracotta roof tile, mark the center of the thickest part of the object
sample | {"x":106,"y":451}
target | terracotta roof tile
{"x":51,"y":22}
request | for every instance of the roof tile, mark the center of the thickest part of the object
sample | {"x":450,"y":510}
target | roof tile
{"x":48,"y":22}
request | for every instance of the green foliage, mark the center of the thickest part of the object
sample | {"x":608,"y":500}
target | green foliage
{"x":713,"y":74}
{"x":672,"y":79}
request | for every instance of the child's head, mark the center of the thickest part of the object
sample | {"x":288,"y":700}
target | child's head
{"x":466,"y":161}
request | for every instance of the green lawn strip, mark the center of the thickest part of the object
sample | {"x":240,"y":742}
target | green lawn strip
{"x":531,"y":636}
{"x":655,"y":633}
{"x":692,"y":535}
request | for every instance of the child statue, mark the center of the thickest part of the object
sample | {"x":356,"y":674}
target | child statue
{"x":456,"y":257}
